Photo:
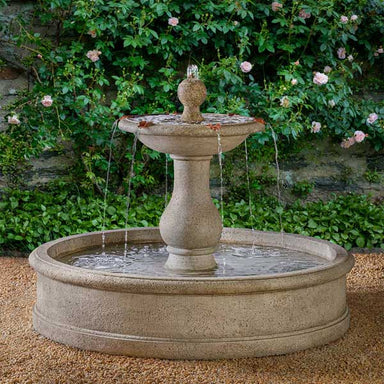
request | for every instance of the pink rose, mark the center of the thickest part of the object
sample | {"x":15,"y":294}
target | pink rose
{"x":93,"y":55}
{"x":327,"y":69}
{"x":359,"y":136}
{"x":92,"y":33}
{"x":47,"y":101}
{"x":344,"y":19}
{"x":316,"y":126}
{"x":284,"y":102}
{"x":173,"y":21}
{"x":320,"y":78}
{"x":246,"y":66}
{"x":13,"y":120}
{"x":276,"y":6}
{"x":297,"y":62}
{"x":354,"y":17}
{"x":376,"y":54}
{"x":294,"y":81}
{"x":372,"y":118}
{"x":380,"y":50}
{"x":39,"y":56}
{"x":341,"y":53}
{"x":304,"y":15}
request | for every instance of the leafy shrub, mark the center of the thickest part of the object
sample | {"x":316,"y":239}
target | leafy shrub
{"x":349,"y":221}
{"x":109,"y":58}
{"x":33,"y":217}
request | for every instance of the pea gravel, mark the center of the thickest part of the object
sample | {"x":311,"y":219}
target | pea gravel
{"x":357,"y":358}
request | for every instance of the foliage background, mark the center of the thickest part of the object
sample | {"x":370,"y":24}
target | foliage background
{"x":143,"y":59}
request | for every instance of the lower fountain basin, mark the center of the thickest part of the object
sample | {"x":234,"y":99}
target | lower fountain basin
{"x":226,"y":315}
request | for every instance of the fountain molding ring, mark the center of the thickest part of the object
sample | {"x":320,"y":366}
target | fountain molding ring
{"x":191,"y":309}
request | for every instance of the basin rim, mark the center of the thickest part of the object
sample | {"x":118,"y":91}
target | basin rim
{"x":194,"y":130}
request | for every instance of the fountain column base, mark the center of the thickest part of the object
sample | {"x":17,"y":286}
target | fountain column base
{"x":191,"y":260}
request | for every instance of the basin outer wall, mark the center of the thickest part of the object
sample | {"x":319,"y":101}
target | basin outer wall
{"x":190,"y":318}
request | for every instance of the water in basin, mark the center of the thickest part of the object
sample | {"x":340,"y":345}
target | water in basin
{"x":232,"y":259}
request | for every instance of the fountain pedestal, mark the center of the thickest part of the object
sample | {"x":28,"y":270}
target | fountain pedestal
{"x":191,"y":224}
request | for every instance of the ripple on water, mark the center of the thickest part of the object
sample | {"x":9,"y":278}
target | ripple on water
{"x":232,"y":259}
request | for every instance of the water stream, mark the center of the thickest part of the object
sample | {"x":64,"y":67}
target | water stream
{"x":166,"y":182}
{"x":114,"y":127}
{"x":249,"y":189}
{"x":220,"y":155}
{"x":130,"y":176}
{"x":278,"y":179}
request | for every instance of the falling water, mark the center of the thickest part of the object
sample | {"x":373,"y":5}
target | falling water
{"x":249,"y":191}
{"x":166,"y":181}
{"x":220,"y":154}
{"x":114,"y":126}
{"x":279,"y":211}
{"x":130,"y":176}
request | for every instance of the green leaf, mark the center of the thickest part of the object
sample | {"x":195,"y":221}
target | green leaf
{"x":360,"y":241}
{"x":111,"y":210}
{"x":196,"y":27}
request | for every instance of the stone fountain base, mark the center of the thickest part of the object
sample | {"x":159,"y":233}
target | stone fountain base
{"x":191,"y":317}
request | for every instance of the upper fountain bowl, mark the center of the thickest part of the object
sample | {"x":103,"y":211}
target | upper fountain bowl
{"x":169,"y":134}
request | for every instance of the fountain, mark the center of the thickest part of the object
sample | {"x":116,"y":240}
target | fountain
{"x":172,"y":295}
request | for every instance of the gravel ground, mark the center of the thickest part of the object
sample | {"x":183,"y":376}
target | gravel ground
{"x":357,"y":358}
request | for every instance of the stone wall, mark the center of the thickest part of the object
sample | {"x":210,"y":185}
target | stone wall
{"x":324,"y":165}
{"x":333,"y":169}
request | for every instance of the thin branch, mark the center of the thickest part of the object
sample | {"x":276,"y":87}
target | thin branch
{"x":36,"y":74}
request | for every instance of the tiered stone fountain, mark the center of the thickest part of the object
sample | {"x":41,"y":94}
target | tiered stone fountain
{"x":269,"y":293}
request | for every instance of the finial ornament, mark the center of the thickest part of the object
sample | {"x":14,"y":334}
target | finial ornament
{"x":192,"y":93}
